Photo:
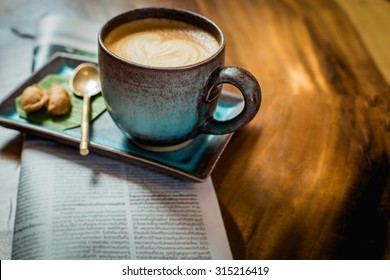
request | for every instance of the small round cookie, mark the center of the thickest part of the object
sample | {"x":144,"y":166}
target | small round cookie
{"x":59,"y":100}
{"x":34,"y":98}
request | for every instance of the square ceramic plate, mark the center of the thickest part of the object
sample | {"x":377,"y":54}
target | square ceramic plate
{"x":194,"y":162}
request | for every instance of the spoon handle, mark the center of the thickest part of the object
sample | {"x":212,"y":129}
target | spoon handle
{"x":85,"y":126}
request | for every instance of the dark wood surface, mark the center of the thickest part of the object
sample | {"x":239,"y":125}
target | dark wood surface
{"x":309,"y":177}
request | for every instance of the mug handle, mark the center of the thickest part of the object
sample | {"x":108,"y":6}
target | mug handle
{"x":250,"y":90}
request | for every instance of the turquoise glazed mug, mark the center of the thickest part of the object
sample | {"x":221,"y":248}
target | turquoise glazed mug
{"x":161,"y":105}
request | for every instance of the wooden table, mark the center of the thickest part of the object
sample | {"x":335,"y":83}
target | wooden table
{"x":309,"y":177}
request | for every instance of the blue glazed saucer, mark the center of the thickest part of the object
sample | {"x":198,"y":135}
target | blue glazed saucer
{"x":194,"y":162}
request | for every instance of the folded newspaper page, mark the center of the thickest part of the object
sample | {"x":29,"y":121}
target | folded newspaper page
{"x":73,"y":207}
{"x":61,"y":34}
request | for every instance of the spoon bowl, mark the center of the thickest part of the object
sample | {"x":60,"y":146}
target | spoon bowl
{"x":85,"y":83}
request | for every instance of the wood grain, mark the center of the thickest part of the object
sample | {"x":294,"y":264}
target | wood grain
{"x":308,"y":178}
{"x":371,"y":20}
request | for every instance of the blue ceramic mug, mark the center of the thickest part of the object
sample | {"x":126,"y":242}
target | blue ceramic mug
{"x":164,"y":107}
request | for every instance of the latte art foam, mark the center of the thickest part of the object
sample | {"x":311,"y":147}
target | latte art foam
{"x":161,"y":43}
{"x":152,"y":49}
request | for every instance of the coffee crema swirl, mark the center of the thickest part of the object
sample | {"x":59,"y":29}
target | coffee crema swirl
{"x":161,"y":43}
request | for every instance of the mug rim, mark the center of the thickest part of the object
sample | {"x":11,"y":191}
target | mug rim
{"x":165,"y":10}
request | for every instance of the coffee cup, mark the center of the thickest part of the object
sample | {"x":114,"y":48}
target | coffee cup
{"x":161,"y":72}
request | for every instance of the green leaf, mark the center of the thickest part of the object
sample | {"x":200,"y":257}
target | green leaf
{"x":70,"y":120}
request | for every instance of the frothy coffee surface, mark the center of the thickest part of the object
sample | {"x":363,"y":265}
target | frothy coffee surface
{"x":161,"y":43}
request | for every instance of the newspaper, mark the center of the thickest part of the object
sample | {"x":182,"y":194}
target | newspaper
{"x":73,"y":207}
{"x":61,"y":34}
